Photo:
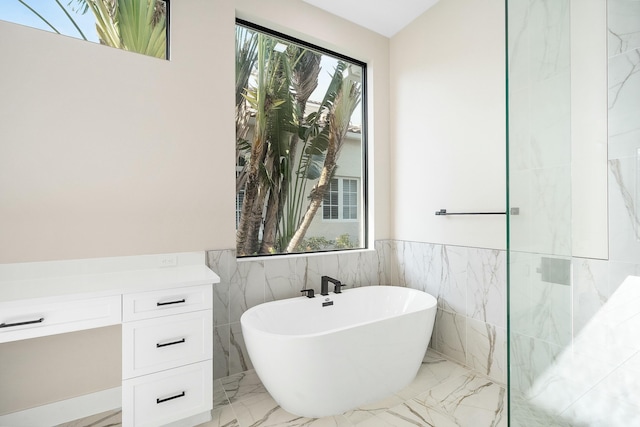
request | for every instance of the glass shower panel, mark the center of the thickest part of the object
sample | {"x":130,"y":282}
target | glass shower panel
{"x":539,"y":90}
{"x":574,"y":322}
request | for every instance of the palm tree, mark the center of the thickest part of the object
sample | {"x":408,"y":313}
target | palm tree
{"x":135,"y":25}
{"x":347,"y":98}
{"x":262,"y":159}
{"x":289,"y":148}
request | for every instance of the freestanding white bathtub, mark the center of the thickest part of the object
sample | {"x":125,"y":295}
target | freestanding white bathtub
{"x":317,"y":360}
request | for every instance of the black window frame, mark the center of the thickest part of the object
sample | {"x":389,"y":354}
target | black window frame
{"x":364,"y":185}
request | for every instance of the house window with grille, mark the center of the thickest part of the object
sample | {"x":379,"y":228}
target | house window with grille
{"x":330,"y":202}
{"x":341,"y":200}
{"x":349,"y":199}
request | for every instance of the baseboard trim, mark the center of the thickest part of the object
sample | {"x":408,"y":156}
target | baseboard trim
{"x":66,"y":410}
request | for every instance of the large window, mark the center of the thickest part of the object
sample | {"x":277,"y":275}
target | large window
{"x":140,"y":26}
{"x":300,"y":146}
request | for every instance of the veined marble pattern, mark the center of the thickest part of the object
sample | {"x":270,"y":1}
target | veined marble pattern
{"x":221,"y":262}
{"x":486,"y":283}
{"x":285,"y":277}
{"x":530,"y":357}
{"x":624,"y":69}
{"x":624,"y":129}
{"x":539,"y":309}
{"x":539,"y":40}
{"x":539,"y":83}
{"x":466,"y":280}
{"x":568,"y":366}
{"x":104,"y":419}
{"x":451,"y":335}
{"x":624,"y":218}
{"x":249,"y":282}
{"x":452,"y":286}
{"x":594,"y":381}
{"x":355,"y":269}
{"x":544,"y":199}
{"x":469,"y":283}
{"x":386,"y":268}
{"x":524,"y":414}
{"x":247,"y":288}
{"x":443,"y":394}
{"x":540,"y":125}
{"x":486,"y":349}
{"x":590,"y":289}
{"x":624,"y":86}
{"x":624,"y":34}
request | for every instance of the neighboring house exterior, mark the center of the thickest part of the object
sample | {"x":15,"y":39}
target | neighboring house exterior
{"x":342,"y":211}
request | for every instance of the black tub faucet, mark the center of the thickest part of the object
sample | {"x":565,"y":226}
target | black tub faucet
{"x":324,"y":285}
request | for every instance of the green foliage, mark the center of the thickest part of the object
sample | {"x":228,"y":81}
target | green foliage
{"x":343,"y":241}
{"x":139,"y":33}
{"x":313,"y":244}
{"x":134,"y":25}
{"x":288,"y":150}
{"x":81,"y":6}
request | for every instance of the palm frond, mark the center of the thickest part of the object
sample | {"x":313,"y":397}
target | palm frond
{"x":108,"y":30}
{"x":81,"y":6}
{"x":42,"y":18}
{"x":137,"y":29}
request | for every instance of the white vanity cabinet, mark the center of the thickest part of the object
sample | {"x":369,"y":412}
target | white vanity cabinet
{"x":166,"y":316}
{"x":49,"y":316}
{"x":167,"y":350}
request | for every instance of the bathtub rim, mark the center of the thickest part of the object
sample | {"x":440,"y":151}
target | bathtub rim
{"x":252,"y":329}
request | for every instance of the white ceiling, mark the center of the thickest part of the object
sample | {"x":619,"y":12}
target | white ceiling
{"x":386,"y":17}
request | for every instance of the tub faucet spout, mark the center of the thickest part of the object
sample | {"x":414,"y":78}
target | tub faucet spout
{"x":324,"y":284}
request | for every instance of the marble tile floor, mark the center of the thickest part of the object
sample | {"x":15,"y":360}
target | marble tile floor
{"x":104,"y":419}
{"x":443,"y":394}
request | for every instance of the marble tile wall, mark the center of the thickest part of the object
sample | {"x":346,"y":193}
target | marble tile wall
{"x":540,"y":184}
{"x":540,"y":126}
{"x":548,"y":320}
{"x":624,"y":130}
{"x":248,"y":282}
{"x":469,"y":283}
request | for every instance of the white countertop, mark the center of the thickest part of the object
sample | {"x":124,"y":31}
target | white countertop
{"x":102,"y":276}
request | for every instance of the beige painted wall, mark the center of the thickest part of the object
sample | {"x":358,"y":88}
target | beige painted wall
{"x":448,"y":124}
{"x":49,"y":368}
{"x":108,"y":153}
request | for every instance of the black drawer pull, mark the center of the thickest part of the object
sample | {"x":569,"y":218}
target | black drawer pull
{"x":29,"y":322}
{"x":177,"y":396}
{"x":171,"y":343}
{"x":180,"y":301}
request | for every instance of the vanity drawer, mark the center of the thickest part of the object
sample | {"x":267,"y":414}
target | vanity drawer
{"x":166,"y":342}
{"x":41,"y":318}
{"x":145,"y":305}
{"x":168,"y":396}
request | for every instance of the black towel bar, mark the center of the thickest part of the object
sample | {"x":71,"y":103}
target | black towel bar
{"x":444,"y":212}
